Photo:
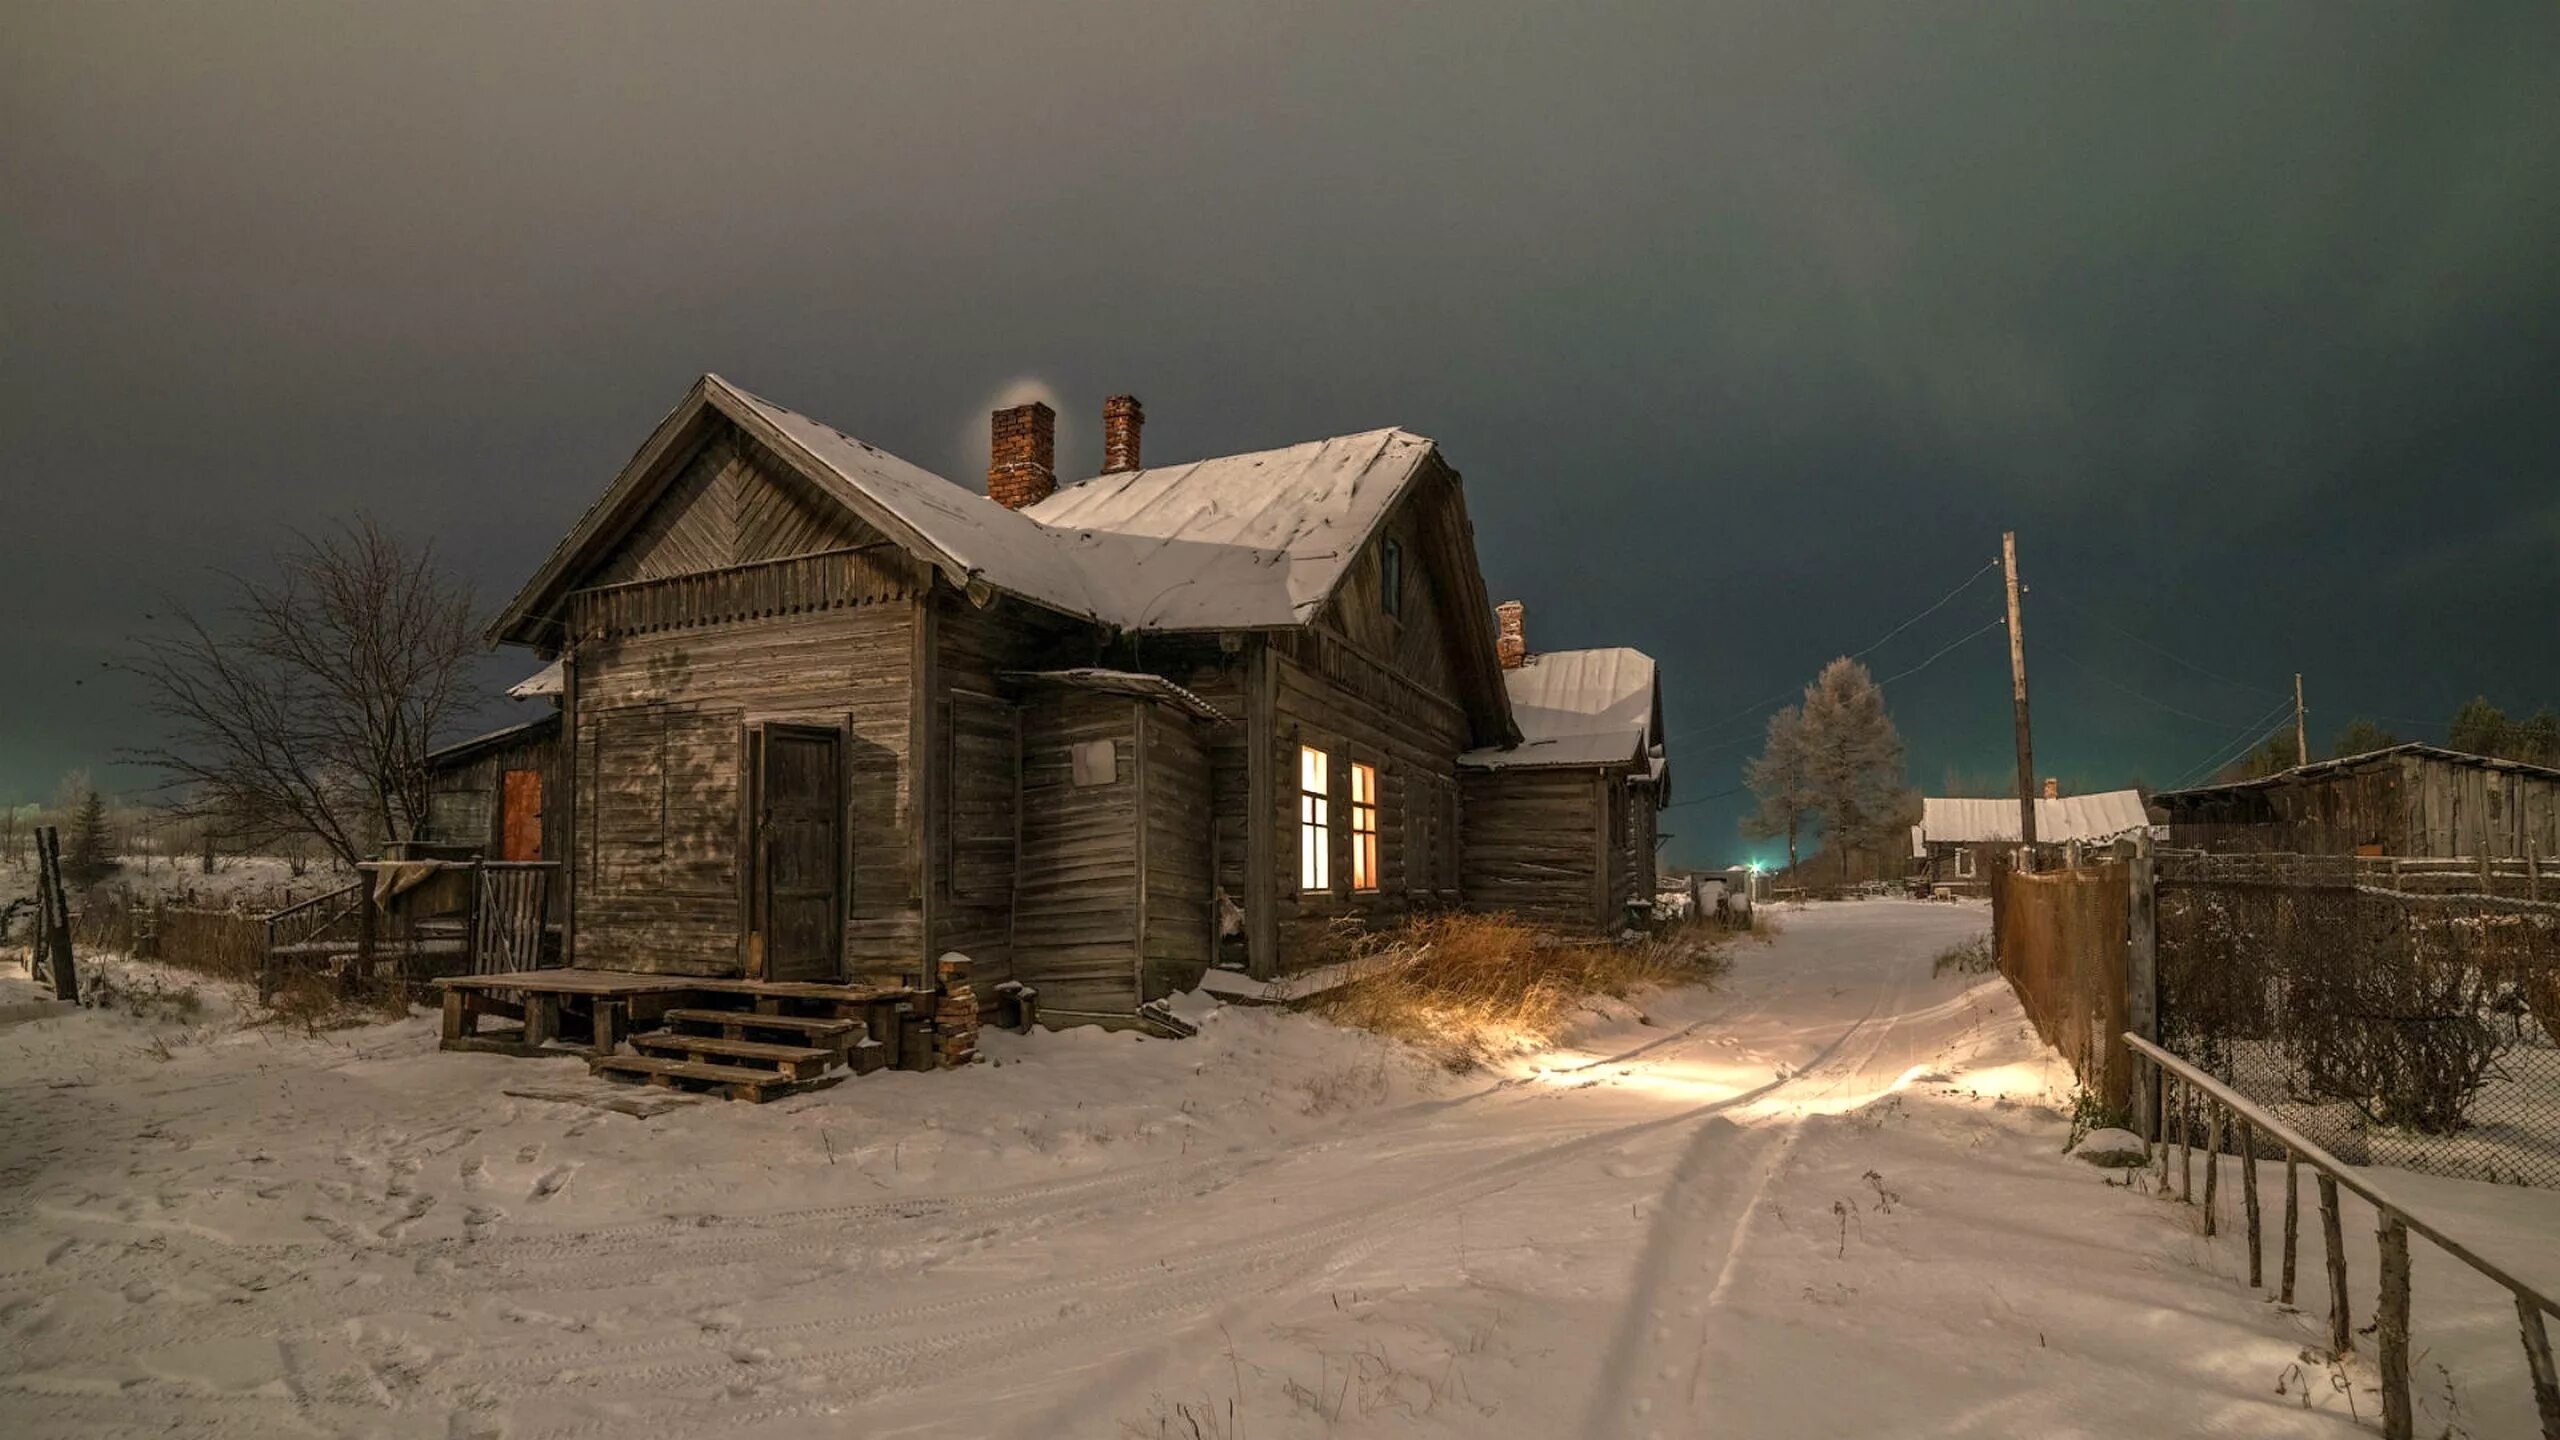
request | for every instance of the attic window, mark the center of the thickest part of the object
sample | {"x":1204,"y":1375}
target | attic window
{"x":1391,"y":577}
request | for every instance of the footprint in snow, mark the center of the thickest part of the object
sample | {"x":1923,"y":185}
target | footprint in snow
{"x":553,"y":1181}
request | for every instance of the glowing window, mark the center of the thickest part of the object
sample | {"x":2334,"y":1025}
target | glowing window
{"x":1364,"y":827}
{"x":1315,"y":822}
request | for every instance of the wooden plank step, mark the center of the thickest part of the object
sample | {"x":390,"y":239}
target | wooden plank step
{"x":738,"y":1081}
{"x":814,"y":1026}
{"x":798,"y":1059}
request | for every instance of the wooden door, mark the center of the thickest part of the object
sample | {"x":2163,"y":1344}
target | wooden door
{"x":798,"y":872}
{"x":520,"y":816}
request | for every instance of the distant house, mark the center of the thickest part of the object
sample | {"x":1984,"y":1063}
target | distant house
{"x":1951,"y":846}
{"x":2419,"y":801}
{"x":1562,"y":827}
{"x":826,"y":716}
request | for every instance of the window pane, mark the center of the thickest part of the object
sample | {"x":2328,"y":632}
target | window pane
{"x":1315,"y":843}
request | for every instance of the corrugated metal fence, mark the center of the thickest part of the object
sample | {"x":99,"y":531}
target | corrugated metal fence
{"x":2060,"y":939}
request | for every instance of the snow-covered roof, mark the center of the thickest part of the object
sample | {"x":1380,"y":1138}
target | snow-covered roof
{"x":1134,"y":683}
{"x":461,"y":750}
{"x":2344,"y":763}
{"x":547,"y":681}
{"x":1578,"y":707}
{"x":1236,"y":542}
{"x":1961,"y":821}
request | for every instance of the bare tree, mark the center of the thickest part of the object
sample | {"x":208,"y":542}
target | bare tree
{"x":308,"y":705}
{"x":1781,"y":778}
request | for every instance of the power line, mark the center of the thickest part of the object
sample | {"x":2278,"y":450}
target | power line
{"x":2259,"y":729}
{"x":2068,"y":604}
{"x":1995,"y":624}
{"x":2105,"y":679}
{"x":1759,"y":705}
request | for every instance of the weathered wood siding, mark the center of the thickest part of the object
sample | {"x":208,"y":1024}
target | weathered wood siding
{"x":1535,"y":840}
{"x":731,"y":503}
{"x":1177,"y":851}
{"x":465,"y":802}
{"x":2421,"y":806}
{"x":1358,"y":709}
{"x":1076,"y":889}
{"x":670,"y":675}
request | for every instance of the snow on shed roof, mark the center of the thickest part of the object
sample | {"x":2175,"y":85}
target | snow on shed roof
{"x":2102,"y":816}
{"x":2319,"y":769}
{"x":1577,"y":707}
{"x":549,"y":680}
{"x":1238,"y":541}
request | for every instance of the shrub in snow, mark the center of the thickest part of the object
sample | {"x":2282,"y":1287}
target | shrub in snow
{"x":2114,"y":1149}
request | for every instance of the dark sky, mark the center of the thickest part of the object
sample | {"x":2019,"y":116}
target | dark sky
{"x":1751,"y":327}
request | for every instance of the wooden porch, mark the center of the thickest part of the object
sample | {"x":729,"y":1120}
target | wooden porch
{"x":749,"y":1039}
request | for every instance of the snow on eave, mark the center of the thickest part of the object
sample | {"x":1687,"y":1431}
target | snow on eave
{"x":1137,"y":684}
{"x":550,"y":680}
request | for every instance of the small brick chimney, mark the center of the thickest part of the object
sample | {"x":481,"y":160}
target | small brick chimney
{"x":1022,"y":455}
{"x":1122,"y":418}
{"x":2052,"y":788}
{"x":1512,"y":644}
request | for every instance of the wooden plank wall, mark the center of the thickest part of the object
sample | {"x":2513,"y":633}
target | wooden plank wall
{"x":1177,"y":853}
{"x":1340,"y":700}
{"x":732,"y":503}
{"x":665,"y":691}
{"x":2416,"y":806}
{"x":465,"y":803}
{"x":1076,"y":887}
{"x":1533,"y":840}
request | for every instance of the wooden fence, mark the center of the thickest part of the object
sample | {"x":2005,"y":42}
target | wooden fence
{"x":2062,"y":941}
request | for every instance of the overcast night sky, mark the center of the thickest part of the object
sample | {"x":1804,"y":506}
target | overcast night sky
{"x":1750,"y":326}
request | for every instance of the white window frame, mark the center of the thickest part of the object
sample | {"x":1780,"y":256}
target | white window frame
{"x":1315,"y":821}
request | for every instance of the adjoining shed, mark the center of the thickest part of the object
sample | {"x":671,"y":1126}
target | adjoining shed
{"x":2415,"y":800}
{"x":1562,"y":828}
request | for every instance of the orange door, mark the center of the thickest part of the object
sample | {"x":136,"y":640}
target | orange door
{"x":520,"y":832}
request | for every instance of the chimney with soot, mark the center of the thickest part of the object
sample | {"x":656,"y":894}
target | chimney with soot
{"x":1022,"y":455}
{"x":1122,"y":418}
{"x":1513,"y":642}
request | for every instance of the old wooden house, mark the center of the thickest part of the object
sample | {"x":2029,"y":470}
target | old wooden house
{"x":2413,"y":801}
{"x":826,"y":716}
{"x":1562,"y":827}
{"x":1956,"y":842}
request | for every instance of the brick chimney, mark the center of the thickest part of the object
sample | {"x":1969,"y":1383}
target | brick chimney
{"x":1022,"y":455}
{"x":1122,"y":418}
{"x":2052,"y":788}
{"x":1513,"y":643}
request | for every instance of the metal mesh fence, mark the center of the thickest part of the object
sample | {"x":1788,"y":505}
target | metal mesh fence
{"x":2395,"y":1012}
{"x":2061,"y":943}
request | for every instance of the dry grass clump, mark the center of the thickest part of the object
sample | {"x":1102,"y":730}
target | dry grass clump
{"x":1466,"y":987}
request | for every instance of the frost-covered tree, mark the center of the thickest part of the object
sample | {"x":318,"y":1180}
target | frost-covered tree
{"x":1782,"y":781}
{"x":1853,"y":761}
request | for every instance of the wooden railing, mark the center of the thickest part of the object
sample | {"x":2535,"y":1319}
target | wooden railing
{"x":2231,"y":1119}
{"x":307,"y":921}
{"x":503,"y":924}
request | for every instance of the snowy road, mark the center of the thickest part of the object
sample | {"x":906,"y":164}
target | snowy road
{"x":1823,"y":1199}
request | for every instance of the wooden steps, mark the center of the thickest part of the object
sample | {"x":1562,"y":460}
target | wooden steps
{"x":739,"y":1082}
{"x":790,"y":1062}
{"x":732,"y":1021}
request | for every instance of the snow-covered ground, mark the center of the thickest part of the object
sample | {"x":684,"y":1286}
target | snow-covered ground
{"x":1823,"y":1199}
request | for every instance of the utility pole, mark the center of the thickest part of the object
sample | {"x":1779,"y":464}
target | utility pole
{"x":2018,"y":693}
{"x":2301,"y":747}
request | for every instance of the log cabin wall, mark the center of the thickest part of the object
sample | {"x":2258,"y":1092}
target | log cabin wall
{"x":1076,"y":890}
{"x":1535,"y":839}
{"x":667,"y":677}
{"x":1328,"y":695}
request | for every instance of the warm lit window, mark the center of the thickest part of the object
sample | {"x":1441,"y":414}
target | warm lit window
{"x":1315,"y":823}
{"x":1391,"y":576}
{"x":1364,"y":827}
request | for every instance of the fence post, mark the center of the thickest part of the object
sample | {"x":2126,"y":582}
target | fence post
{"x":2546,"y":1377}
{"x":2392,"y":1330}
{"x":2341,"y":1326}
{"x":2142,"y":976}
{"x":2186,"y":1141}
{"x":2212,"y":1165}
{"x":2249,"y":1199}
{"x":2292,"y":1204}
